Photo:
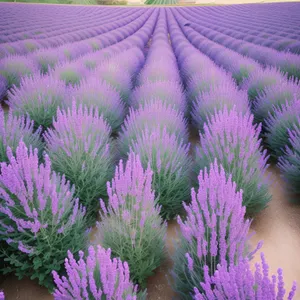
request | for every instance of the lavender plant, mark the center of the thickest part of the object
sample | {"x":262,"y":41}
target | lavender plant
{"x":171,"y":165}
{"x":40,"y":219}
{"x":79,"y":147}
{"x":71,"y":73}
{"x":13,"y":68}
{"x":218,"y":98}
{"x":131,"y":225}
{"x":239,"y":282}
{"x":97,"y":276}
{"x":214,"y":232}
{"x":167,"y":92}
{"x":39,"y":97}
{"x":277,"y":125}
{"x":289,"y":163}
{"x":3,"y":87}
{"x":13,"y":129}
{"x":274,"y":96}
{"x":99,"y":94}
{"x":231,"y":138}
{"x":152,"y":115}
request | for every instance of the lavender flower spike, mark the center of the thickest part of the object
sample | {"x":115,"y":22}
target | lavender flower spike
{"x":239,"y":282}
{"x":214,"y":232}
{"x":37,"y":209}
{"x":97,"y":276}
{"x":2,"y":296}
{"x":130,"y":224}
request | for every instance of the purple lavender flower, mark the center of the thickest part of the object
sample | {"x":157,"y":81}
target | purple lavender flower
{"x":239,"y":282}
{"x":100,"y":95}
{"x":35,"y":204}
{"x":97,"y":276}
{"x":39,"y":97}
{"x":3,"y":87}
{"x":274,"y":96}
{"x":2,"y":296}
{"x":289,"y":163}
{"x":13,"y":68}
{"x":79,"y":147}
{"x":13,"y":129}
{"x":285,"y":117}
{"x":219,"y":97}
{"x":154,"y":114}
{"x":230,"y":137}
{"x":131,"y":224}
{"x":170,"y":162}
{"x":214,"y":231}
{"x":168,"y":92}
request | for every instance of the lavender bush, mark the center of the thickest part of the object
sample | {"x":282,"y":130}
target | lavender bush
{"x":277,"y":125}
{"x":289,"y":163}
{"x":71,"y":73}
{"x":218,"y":98}
{"x":274,"y":96}
{"x":152,"y":115}
{"x":171,"y":164}
{"x":131,"y":225}
{"x":39,"y":97}
{"x":230,"y":137}
{"x":13,"y":68}
{"x":79,"y":147}
{"x":95,"y":277}
{"x":100,"y":95}
{"x":214,"y":232}
{"x":13,"y":129}
{"x":239,"y":282}
{"x":40,"y":219}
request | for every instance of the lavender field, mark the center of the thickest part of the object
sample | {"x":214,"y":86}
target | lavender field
{"x":149,"y":152}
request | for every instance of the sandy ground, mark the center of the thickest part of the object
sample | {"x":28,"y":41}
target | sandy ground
{"x":278,"y":226}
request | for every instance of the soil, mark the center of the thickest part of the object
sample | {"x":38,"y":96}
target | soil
{"x":278,"y":226}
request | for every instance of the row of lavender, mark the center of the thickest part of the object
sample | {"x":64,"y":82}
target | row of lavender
{"x":132,"y":220}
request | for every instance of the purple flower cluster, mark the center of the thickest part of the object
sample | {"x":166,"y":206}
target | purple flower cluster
{"x":38,"y":209}
{"x":237,"y":281}
{"x":39,"y":97}
{"x":130,"y":224}
{"x":231,"y":138}
{"x":2,"y":296}
{"x":214,"y":231}
{"x":13,"y":129}
{"x":3,"y":86}
{"x":79,"y":147}
{"x":96,"y":277}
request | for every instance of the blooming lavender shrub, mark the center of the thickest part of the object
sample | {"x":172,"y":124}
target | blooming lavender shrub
{"x":13,"y":129}
{"x":40,"y":219}
{"x":171,"y":165}
{"x":13,"y":68}
{"x":131,"y":225}
{"x":214,"y":232}
{"x":218,"y":98}
{"x":277,"y":125}
{"x":274,"y":96}
{"x":260,"y":80}
{"x":231,"y":138}
{"x":289,"y":163}
{"x":79,"y":147}
{"x":239,"y":282}
{"x":39,"y":97}
{"x":71,"y":73}
{"x":97,"y":276}
{"x":153,"y":114}
{"x":99,"y":94}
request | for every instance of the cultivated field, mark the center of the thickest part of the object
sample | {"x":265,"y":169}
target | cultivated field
{"x":149,"y":152}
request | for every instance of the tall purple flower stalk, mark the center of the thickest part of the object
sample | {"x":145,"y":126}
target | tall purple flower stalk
{"x":40,"y":219}
{"x":130,"y":224}
{"x":79,"y":147}
{"x":239,"y":282}
{"x":96,"y":276}
{"x":214,"y":231}
{"x":13,"y":129}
